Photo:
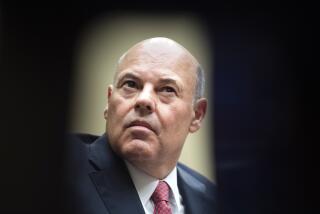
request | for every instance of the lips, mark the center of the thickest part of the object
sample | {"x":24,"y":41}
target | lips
{"x":141,"y":123}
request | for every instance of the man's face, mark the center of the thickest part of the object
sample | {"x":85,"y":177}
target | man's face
{"x":150,"y":107}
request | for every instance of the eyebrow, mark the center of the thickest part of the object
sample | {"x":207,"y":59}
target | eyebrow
{"x":126,"y":75}
{"x":170,"y":81}
{"x":167,"y":80}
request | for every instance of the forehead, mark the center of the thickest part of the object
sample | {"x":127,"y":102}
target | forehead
{"x":160,"y":60}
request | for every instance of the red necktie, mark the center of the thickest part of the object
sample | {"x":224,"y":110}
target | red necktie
{"x":160,"y":197}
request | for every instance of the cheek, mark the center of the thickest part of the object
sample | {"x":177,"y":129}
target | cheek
{"x":117,"y":111}
{"x":117,"y":107}
{"x":176,"y":120}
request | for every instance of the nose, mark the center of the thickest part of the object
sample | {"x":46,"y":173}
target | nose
{"x":145,"y":103}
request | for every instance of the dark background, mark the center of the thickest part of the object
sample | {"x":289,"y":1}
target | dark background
{"x":259,"y":133}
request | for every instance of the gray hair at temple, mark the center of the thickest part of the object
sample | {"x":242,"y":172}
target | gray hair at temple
{"x":200,"y":83}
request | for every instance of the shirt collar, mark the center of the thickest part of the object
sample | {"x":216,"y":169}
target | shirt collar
{"x":146,"y":184}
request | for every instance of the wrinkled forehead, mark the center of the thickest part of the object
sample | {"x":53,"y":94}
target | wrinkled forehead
{"x":163,"y":54}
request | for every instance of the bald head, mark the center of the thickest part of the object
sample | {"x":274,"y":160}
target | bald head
{"x":162,"y":51}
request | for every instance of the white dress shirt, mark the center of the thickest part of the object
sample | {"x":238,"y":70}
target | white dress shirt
{"x":146,"y":185}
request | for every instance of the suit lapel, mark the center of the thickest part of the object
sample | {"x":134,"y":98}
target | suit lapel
{"x":193,"y":192}
{"x":112,"y":180}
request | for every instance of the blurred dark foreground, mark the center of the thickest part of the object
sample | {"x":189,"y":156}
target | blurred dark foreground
{"x":257,"y":101}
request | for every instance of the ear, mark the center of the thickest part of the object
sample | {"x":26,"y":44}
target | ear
{"x":105,"y":112}
{"x":200,"y":109}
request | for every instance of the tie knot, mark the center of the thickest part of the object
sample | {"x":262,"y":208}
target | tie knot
{"x":161,"y":193}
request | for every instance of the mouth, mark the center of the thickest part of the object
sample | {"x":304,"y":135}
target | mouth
{"x":141,"y":124}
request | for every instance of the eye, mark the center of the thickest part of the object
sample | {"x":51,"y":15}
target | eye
{"x":130,"y":84}
{"x":168,"y":89}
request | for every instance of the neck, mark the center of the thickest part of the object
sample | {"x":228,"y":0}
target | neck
{"x":159,"y":172}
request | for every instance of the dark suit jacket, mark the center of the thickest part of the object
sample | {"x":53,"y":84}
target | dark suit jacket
{"x":98,"y":181}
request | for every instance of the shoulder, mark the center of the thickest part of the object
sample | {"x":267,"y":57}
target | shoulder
{"x":81,"y":138}
{"x":78,"y":147}
{"x":195,"y":179}
{"x":77,"y":181}
{"x":79,"y":141}
{"x":196,"y":175}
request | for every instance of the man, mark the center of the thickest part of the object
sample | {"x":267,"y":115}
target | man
{"x":155,"y":102}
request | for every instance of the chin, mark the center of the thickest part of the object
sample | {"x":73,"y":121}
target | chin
{"x":137,"y":150}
